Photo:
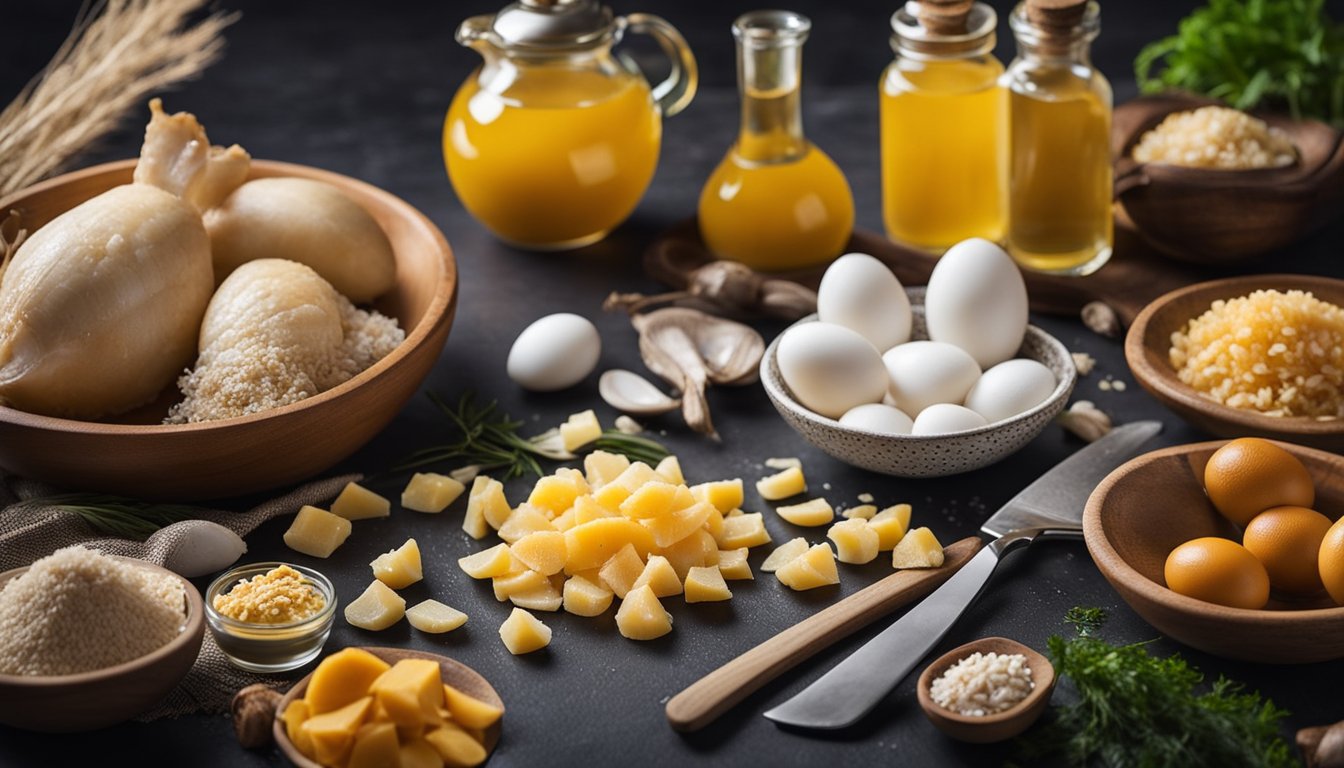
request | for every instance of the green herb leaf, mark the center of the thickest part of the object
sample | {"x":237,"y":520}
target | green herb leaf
{"x":120,"y":516}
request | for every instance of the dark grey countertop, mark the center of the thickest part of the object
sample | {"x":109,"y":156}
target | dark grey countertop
{"x":361,"y":89}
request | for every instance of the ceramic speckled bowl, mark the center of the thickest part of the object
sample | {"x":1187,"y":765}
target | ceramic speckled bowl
{"x":927,"y":455}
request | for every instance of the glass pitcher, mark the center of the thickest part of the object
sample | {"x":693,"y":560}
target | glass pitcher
{"x":552,"y":141}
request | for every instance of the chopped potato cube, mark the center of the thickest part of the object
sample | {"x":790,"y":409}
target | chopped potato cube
{"x":784,"y":554}
{"x":317,"y":532}
{"x":601,"y":467}
{"x":592,"y":544}
{"x":545,"y":597}
{"x":542,"y":551}
{"x":918,"y":549}
{"x":670,"y":469}
{"x":861,"y":512}
{"x":583,"y":597}
{"x":622,"y":570}
{"x":809,"y":514}
{"x":587,"y":510}
{"x":375,"y":746}
{"x":652,"y":499}
{"x":526,"y":580}
{"x":410,"y":692}
{"x":486,"y":507}
{"x":580,"y":429}
{"x":814,"y":568}
{"x":854,"y":541}
{"x":733,"y":563}
{"x":782,"y":485}
{"x":456,"y":747}
{"x":611,"y":496}
{"x":434,"y":617}
{"x":659,"y":575}
{"x":342,"y":678}
{"x":564,"y":522}
{"x":489,"y":563}
{"x":430,"y":492}
{"x":377,"y":608}
{"x":891,"y":524}
{"x":556,"y":493}
{"x":524,"y":520}
{"x":523,"y":633}
{"x":359,"y":503}
{"x":675,"y":526}
{"x":469,"y":711}
{"x":641,"y":616}
{"x":333,"y":733}
{"x":400,"y":567}
{"x":723,"y":495}
{"x":745,"y":530}
{"x":697,"y":549}
{"x":706,"y":585}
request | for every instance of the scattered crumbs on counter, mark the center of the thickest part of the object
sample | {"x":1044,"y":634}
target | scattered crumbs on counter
{"x":866,"y":498}
{"x":1084,"y":362}
{"x":1118,"y":386}
{"x":1104,"y":385}
{"x":826,"y":486}
{"x":783,"y":463}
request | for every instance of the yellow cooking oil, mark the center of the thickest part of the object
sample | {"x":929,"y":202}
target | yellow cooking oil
{"x":552,"y":158}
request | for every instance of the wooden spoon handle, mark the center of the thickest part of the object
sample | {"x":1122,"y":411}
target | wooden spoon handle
{"x":712,"y":695}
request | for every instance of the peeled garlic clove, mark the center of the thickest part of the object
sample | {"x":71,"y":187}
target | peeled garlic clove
{"x":198,"y":547}
{"x":632,"y":393}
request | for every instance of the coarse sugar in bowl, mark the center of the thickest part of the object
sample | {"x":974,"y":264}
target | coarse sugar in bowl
{"x":270,"y":617}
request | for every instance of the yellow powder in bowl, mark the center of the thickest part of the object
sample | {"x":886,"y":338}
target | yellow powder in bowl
{"x":1281,"y":354}
{"x":1215,"y":137}
{"x":280,"y":596}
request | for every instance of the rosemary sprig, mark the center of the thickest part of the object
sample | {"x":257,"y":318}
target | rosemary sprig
{"x":120,"y":516}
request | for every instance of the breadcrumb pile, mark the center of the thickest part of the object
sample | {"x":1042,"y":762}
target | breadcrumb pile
{"x":1215,"y":137}
{"x":280,"y":596}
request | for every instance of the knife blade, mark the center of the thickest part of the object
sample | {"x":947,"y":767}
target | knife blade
{"x":1050,"y":506}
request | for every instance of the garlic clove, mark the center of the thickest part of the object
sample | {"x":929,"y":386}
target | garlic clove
{"x":631,"y":393}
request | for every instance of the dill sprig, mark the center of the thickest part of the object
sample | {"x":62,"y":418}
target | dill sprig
{"x":120,"y":516}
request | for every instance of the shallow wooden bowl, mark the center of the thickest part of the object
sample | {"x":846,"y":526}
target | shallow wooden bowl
{"x":1156,"y":502}
{"x":1148,"y":343}
{"x":1000,"y":726}
{"x":136,"y":455}
{"x":1223,"y":216}
{"x":91,"y":700}
{"x":455,"y":673}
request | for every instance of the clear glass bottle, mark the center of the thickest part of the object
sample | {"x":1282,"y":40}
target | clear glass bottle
{"x":944,"y":127}
{"x":1059,"y":179}
{"x":776,"y":201}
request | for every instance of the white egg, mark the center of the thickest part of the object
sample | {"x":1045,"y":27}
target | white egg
{"x":1010,"y":388}
{"x":555,"y":352}
{"x":926,"y":372}
{"x":830,"y":368}
{"x":862,"y":294}
{"x":977,"y":300}
{"x":879,"y":418}
{"x":942,"y":418}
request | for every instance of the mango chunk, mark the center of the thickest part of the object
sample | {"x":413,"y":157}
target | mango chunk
{"x":469,"y":711}
{"x":660,"y":576}
{"x":341,"y":678}
{"x":670,"y":469}
{"x":375,"y":746}
{"x":556,"y":493}
{"x":456,"y":747}
{"x":524,"y":520}
{"x":621,"y":571}
{"x":592,"y":544}
{"x":488,"y":563}
{"x":861,"y":512}
{"x":317,"y":532}
{"x":891,"y":525}
{"x":784,"y":554}
{"x":855,"y":542}
{"x":542,"y":551}
{"x":430,"y":492}
{"x":697,"y":549}
{"x":809,"y":514}
{"x":526,"y":580}
{"x":400,"y":567}
{"x":579,"y":430}
{"x":410,"y":692}
{"x":651,"y":500}
{"x":733,"y":564}
{"x":376,"y":609}
{"x":600,"y":467}
{"x":782,"y":485}
{"x":918,"y":549}
{"x":293,"y":717}
{"x":705,"y":585}
{"x":356,"y":502}
{"x":583,"y":597}
{"x":814,"y":568}
{"x":744,"y":530}
{"x":677,"y":525}
{"x":434,"y":617}
{"x":333,"y":733}
{"x":418,"y":753}
{"x":641,"y":616}
{"x":723,"y":495}
{"x":523,"y":633}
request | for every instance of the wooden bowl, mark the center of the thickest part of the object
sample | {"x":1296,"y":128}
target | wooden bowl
{"x":455,"y":673}
{"x":136,"y":455}
{"x":103,"y":697}
{"x":1156,"y":502}
{"x":1222,"y":216}
{"x":1148,"y":342}
{"x":1000,"y":726}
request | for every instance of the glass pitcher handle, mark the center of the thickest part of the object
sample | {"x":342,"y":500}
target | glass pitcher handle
{"x":674,"y":93}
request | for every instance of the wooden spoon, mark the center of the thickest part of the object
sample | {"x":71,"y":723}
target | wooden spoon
{"x":712,"y":695}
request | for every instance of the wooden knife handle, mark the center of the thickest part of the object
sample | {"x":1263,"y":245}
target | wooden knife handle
{"x":712,"y":695}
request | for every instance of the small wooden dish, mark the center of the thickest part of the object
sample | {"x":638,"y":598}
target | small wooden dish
{"x":91,"y":700}
{"x":136,"y":455}
{"x":1156,"y":502}
{"x":1209,"y":216}
{"x":1148,"y":343}
{"x":1000,"y":726}
{"x":455,"y":673}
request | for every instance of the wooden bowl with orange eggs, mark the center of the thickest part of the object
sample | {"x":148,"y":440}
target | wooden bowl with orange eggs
{"x":1157,"y":502}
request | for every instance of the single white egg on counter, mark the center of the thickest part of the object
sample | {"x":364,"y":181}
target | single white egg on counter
{"x":977,"y":300}
{"x":879,"y":418}
{"x":830,"y":368}
{"x":555,"y":352}
{"x":926,"y":372}
{"x":1010,"y":388}
{"x":862,"y":294}
{"x":942,"y":418}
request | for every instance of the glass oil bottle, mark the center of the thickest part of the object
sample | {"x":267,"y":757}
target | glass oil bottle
{"x":1059,"y":180}
{"x":776,"y":201}
{"x":944,"y":127}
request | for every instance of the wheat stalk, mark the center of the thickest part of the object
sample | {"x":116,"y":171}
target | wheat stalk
{"x":118,"y":53}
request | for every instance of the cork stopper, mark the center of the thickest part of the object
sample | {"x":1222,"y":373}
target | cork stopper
{"x":943,"y":17}
{"x":1056,"y":16}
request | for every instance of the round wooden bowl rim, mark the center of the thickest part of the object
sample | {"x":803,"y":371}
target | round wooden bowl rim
{"x":193,"y":631}
{"x":1162,"y":380}
{"x":1116,"y":569}
{"x":1041,"y":669}
{"x":435,"y":315}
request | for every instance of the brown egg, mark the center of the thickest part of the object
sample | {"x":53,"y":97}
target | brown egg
{"x":1217,"y":571}
{"x":1249,"y":475}
{"x":1287,"y":540}
{"x":1331,"y":561}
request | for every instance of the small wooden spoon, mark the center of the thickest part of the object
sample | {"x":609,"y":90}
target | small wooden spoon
{"x":986,"y":729}
{"x":712,"y":695}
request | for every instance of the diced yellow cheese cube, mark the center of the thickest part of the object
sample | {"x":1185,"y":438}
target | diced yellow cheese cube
{"x":675,"y":526}
{"x":483,"y":490}
{"x":784,"y":554}
{"x":555,"y":494}
{"x":861,"y":512}
{"x":375,"y":746}
{"x":723,"y":495}
{"x":523,"y":633}
{"x":891,"y":524}
{"x":430,"y":492}
{"x":641,"y":616}
{"x":854,"y":541}
{"x":341,"y":678}
{"x":400,"y":567}
{"x":579,"y":430}
{"x":745,"y":530}
{"x":814,"y":568}
{"x":697,"y":549}
{"x":809,"y":514}
{"x":621,"y":571}
{"x":545,"y":597}
{"x":456,"y":747}
{"x":782,"y":485}
{"x":733,"y":564}
{"x":410,"y":692}
{"x":376,"y":609}
{"x":418,"y":753}
{"x":583,"y":597}
{"x":488,"y":563}
{"x":601,"y":467}
{"x":587,"y":510}
{"x":333,"y":733}
{"x":670,"y":469}
{"x":706,"y":585}
{"x":524,"y":520}
{"x":918,"y":549}
{"x":592,"y":544}
{"x":659,"y":575}
{"x":316,"y":532}
{"x":359,"y":503}
{"x":542,"y":551}
{"x":469,"y":711}
{"x":293,"y":718}
{"x":434,"y":617}
{"x":526,"y":580}
{"x":652,"y":499}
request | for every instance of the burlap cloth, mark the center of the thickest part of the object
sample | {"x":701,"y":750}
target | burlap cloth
{"x":30,"y":530}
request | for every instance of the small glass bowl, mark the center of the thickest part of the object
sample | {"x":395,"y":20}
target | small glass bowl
{"x":270,"y":647}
